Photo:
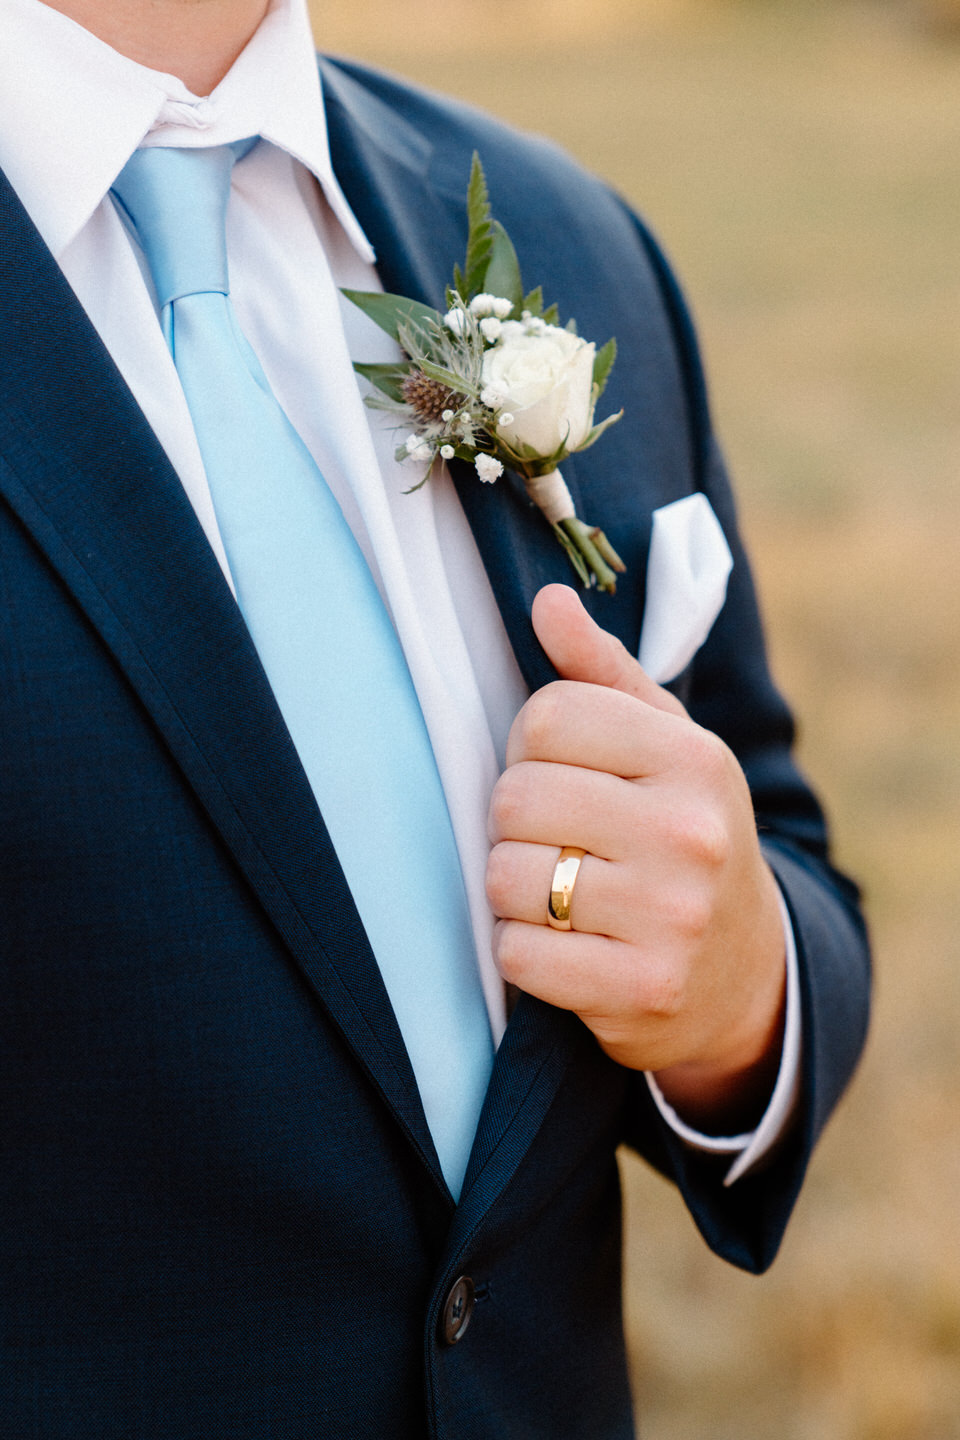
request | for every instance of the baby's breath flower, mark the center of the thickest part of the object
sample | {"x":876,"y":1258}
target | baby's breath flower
{"x":447,"y":452}
{"x":455,"y":321}
{"x":488,"y":468}
{"x":504,"y":418}
{"x":490,"y":328}
{"x":447,"y":416}
{"x":484,"y":304}
{"x":491,"y":398}
{"x":417,"y":448}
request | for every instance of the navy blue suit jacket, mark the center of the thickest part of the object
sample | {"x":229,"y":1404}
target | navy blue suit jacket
{"x":221,"y":1213}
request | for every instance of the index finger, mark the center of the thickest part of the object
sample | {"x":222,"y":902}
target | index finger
{"x":573,"y":723}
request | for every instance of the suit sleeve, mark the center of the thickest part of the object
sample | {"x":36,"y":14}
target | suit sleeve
{"x":730,"y":691}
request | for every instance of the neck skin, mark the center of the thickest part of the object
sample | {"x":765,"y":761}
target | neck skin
{"x":196,"y":40}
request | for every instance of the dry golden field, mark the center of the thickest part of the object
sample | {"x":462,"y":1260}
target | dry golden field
{"x":802,"y":164}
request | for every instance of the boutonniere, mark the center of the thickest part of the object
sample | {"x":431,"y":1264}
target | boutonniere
{"x":496,"y":381}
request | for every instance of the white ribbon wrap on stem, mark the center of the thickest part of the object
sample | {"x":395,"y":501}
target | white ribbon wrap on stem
{"x":550,"y":494}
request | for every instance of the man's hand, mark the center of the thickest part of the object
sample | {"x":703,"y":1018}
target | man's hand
{"x":676,"y":958}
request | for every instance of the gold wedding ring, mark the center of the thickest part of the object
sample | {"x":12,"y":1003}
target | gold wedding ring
{"x":561,"y":888}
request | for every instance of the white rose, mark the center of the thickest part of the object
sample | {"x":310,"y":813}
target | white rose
{"x":546,"y":380}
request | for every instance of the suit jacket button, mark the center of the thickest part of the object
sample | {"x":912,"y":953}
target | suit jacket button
{"x":457,"y":1310}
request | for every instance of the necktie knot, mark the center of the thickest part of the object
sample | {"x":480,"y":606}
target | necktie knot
{"x":176,"y":200}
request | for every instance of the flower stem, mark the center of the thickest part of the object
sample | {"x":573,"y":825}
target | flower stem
{"x":573,"y":555}
{"x":607,"y":551}
{"x":591,"y":554}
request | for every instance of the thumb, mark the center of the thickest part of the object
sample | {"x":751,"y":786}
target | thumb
{"x":581,"y":650}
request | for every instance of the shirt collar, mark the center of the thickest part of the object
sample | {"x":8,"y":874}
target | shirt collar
{"x":75,"y":110}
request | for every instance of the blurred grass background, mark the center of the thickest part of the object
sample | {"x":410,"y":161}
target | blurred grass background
{"x":801,"y":161}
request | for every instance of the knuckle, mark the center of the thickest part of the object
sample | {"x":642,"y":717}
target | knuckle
{"x":701,"y":834}
{"x":507,"y":949}
{"x":693,"y":915}
{"x":499,"y":879}
{"x":504,"y":804}
{"x":659,"y":991}
{"x":539,"y":717}
{"x":510,"y":801}
{"x":707,"y":756}
{"x":683,"y":913}
{"x":711,"y":842}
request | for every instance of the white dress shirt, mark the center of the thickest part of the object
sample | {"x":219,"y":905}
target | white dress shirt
{"x":73,"y":112}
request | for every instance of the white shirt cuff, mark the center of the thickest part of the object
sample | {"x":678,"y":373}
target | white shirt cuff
{"x":754,"y":1145}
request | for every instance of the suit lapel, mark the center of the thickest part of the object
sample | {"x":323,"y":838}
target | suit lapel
{"x":88,"y":479}
{"x":417,"y":224}
{"x":418,"y":230}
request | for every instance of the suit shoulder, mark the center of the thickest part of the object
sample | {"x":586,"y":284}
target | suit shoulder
{"x":516,"y":162}
{"x":573,"y":234}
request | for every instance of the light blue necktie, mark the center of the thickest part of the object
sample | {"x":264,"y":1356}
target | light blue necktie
{"x":326,"y":643}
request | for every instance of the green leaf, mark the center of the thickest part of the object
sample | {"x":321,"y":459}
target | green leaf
{"x":551,"y":462}
{"x":602,"y":365}
{"x":417,"y":341}
{"x":552,"y":315}
{"x":442,"y":375}
{"x":524,"y":459}
{"x":480,"y":236}
{"x":420,"y":483}
{"x":531,"y":463}
{"x":399,"y":409}
{"x":502,"y":276}
{"x":390,"y":311}
{"x":594,"y":435}
{"x":387,"y":378}
{"x":534,"y":301}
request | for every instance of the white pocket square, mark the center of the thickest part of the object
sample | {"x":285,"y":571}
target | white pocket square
{"x":687,"y":573}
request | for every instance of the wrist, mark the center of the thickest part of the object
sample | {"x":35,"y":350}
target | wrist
{"x":729,"y":1091}
{"x":718,"y":1099}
